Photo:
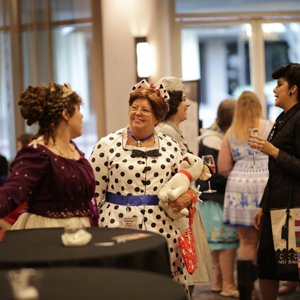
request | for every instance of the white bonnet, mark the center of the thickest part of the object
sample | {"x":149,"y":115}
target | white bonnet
{"x":171,"y":83}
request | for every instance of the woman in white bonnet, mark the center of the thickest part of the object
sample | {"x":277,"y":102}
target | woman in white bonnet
{"x":179,"y":105}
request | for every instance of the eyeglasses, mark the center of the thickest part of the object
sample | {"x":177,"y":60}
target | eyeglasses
{"x":144,"y":111}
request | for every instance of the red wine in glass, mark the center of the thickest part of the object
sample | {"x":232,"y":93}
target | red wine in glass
{"x":209,"y":160}
{"x":212,"y":167}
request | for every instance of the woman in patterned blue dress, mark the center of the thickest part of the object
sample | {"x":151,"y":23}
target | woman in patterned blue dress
{"x":247,"y":172}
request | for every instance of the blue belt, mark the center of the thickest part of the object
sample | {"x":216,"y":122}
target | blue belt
{"x":131,"y":200}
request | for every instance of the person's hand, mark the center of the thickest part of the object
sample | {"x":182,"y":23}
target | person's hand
{"x":5,"y":225}
{"x":183,"y":201}
{"x":264,"y":146}
{"x":257,"y":219}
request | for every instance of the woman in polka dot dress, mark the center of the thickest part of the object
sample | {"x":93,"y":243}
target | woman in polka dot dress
{"x":51,"y":174}
{"x":131,"y":165}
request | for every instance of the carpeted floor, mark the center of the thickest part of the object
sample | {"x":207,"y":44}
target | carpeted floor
{"x":204,"y":293}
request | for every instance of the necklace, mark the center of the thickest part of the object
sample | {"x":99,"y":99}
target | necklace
{"x":70,"y":153}
{"x":139,"y":141}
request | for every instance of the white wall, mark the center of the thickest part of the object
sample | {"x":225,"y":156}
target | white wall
{"x":215,"y":54}
{"x":122,"y":21}
{"x":190,"y":55}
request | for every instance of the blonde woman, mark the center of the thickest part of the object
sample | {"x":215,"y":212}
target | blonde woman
{"x":247,"y":172}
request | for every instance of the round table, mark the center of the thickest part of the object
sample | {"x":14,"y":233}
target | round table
{"x":43,"y":247}
{"x":99,"y":283}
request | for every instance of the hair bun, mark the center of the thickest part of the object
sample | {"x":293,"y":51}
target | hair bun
{"x":32,"y":104}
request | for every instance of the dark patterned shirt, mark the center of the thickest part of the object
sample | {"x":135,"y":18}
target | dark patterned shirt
{"x":54,"y":186}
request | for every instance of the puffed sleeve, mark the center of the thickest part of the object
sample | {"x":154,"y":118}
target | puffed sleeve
{"x":99,"y":162}
{"x":26,"y":172}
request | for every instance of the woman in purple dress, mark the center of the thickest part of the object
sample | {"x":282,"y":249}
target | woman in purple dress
{"x":51,"y":173}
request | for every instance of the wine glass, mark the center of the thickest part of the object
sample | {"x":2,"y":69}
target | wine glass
{"x":209,"y":160}
{"x":253,"y":132}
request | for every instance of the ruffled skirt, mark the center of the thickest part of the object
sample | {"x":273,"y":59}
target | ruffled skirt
{"x":244,"y":190}
{"x":29,"y":221}
{"x":219,"y":236}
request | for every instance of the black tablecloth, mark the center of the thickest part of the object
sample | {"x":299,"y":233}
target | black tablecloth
{"x":101,"y":284}
{"x":43,"y":247}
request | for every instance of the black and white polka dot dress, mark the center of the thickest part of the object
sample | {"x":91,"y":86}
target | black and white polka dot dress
{"x":117,"y":172}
